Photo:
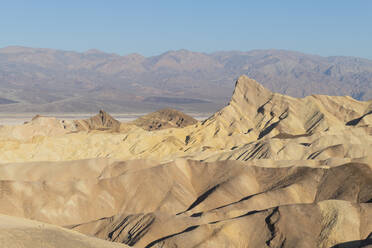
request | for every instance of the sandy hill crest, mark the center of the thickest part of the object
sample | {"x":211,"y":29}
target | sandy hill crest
{"x":22,"y":233}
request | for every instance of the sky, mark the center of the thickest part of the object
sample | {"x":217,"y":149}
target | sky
{"x":150,"y":28}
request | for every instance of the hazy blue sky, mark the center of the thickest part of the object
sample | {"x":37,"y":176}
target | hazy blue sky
{"x":152,"y":27}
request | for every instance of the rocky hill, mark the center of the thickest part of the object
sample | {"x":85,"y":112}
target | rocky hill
{"x":267,"y":170}
{"x":46,"y":80}
{"x":164,"y":118}
{"x":101,"y":121}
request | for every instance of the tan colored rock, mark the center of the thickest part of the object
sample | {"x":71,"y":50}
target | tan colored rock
{"x":325,"y":224}
{"x":101,"y":121}
{"x":138,"y":202}
{"x":164,"y":118}
{"x":21,"y":233}
{"x":286,"y":128}
{"x":268,"y":170}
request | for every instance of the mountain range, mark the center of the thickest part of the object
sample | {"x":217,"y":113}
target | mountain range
{"x":47,"y":80}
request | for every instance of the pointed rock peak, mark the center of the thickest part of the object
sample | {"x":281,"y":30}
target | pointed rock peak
{"x":102,"y":112}
{"x":101,"y":121}
{"x":249,"y":90}
{"x":103,"y":118}
{"x":248,"y":83}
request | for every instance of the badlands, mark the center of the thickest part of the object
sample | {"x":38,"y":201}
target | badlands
{"x":267,"y":170}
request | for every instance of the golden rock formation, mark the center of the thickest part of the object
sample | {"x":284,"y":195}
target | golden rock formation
{"x":267,"y":170}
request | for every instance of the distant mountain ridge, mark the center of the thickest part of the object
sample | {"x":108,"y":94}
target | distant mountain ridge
{"x":48,"y":80}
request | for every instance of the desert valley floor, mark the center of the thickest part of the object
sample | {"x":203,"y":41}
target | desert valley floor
{"x":267,"y":170}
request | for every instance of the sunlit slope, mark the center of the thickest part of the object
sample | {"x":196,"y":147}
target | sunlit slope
{"x":139,"y":201}
{"x":267,"y":170}
{"x":21,"y":233}
{"x":283,"y":126}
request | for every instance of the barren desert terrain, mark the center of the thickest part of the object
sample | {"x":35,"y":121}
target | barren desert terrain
{"x":266,"y":170}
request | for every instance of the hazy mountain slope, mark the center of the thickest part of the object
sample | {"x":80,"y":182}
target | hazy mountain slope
{"x":46,"y":80}
{"x":297,"y":74}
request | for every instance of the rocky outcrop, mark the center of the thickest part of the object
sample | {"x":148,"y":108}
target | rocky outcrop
{"x":101,"y":121}
{"x":256,"y":124}
{"x":259,"y":113}
{"x":163,"y":119}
